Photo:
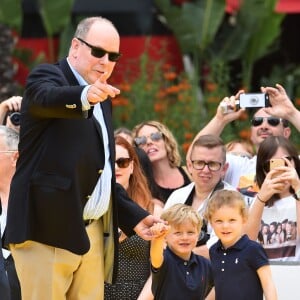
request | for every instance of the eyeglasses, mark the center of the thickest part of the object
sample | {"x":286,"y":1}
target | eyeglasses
{"x":8,"y":151}
{"x":272,"y":121}
{"x":123,"y":162}
{"x":212,"y":165}
{"x":266,"y":165}
{"x":99,"y":52}
{"x":154,"y":137}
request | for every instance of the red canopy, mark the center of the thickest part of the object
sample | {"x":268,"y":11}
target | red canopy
{"x":232,"y":6}
{"x":282,"y":6}
{"x":288,"y":6}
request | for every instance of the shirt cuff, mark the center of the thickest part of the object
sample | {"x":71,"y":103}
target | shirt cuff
{"x":84,"y":101}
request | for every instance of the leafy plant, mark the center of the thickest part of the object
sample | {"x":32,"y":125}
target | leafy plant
{"x":206,"y":35}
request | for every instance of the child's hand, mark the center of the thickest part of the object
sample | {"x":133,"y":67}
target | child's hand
{"x":159,"y":230}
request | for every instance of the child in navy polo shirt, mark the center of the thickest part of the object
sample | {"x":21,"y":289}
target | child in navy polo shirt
{"x":178,"y":273}
{"x":240,"y":266}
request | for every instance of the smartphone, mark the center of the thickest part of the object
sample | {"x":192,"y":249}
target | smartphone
{"x":276,"y":162}
{"x":254,"y":100}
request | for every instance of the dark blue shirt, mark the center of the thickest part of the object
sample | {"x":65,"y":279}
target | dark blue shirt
{"x":178,"y":279}
{"x":235,"y":270}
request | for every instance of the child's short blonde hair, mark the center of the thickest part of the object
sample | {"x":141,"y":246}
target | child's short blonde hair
{"x":226,"y":198}
{"x":180,"y":213}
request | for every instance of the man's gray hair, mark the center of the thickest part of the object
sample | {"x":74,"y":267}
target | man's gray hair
{"x":11,"y":137}
{"x":84,"y":26}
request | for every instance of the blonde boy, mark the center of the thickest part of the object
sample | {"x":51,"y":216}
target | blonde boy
{"x":178,"y":273}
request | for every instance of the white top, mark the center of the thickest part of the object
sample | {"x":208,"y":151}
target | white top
{"x":239,"y":166}
{"x":241,"y":173}
{"x":98,"y":203}
{"x":279,"y":235}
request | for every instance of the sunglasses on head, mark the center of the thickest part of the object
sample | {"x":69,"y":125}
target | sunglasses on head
{"x":123,"y":162}
{"x":272,"y":121}
{"x":99,"y":52}
{"x":154,"y":137}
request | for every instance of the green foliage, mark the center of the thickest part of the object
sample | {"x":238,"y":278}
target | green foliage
{"x":214,"y":42}
{"x":265,"y":31}
{"x":194,"y":24}
{"x":55,"y":14}
{"x":11,"y":13}
{"x":65,"y":40}
{"x":205,"y":33}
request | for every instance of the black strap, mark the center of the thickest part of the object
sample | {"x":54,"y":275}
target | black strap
{"x":189,"y":201}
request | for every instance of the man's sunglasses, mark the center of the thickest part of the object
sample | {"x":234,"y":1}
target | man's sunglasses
{"x":272,"y":121}
{"x":99,"y":52}
{"x":142,"y":140}
{"x":123,"y":162}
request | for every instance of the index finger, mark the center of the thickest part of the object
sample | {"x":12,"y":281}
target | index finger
{"x":103,"y":77}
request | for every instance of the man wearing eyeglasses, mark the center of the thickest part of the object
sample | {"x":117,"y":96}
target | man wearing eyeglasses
{"x":265,"y":122}
{"x":65,"y":207}
{"x":207,"y":166}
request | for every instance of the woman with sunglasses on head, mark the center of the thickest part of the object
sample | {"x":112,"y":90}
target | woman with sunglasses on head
{"x":162,"y":149}
{"x":277,"y":176}
{"x":134,"y":267}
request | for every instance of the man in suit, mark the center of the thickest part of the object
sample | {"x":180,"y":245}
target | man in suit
{"x":65,"y":207}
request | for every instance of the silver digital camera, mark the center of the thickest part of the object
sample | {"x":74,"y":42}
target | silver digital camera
{"x":253,"y":100}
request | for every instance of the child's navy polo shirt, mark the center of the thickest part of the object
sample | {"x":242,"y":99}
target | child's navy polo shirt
{"x":178,"y":279}
{"x":235,"y":269}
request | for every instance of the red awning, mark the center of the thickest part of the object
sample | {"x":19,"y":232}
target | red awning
{"x":232,"y":6}
{"x":288,"y":6}
{"x":282,"y":6}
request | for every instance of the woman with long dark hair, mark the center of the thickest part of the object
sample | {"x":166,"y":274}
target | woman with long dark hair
{"x":278,"y":199}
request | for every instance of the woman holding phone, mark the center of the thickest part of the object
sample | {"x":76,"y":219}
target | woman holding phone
{"x":278,"y":200}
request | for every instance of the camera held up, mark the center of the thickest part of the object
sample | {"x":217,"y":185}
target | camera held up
{"x":15,"y":117}
{"x":247,"y":100}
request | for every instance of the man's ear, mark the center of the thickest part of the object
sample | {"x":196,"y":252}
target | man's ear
{"x":189,"y":165}
{"x":15,"y":157}
{"x":287,"y":132}
{"x":224,"y":169}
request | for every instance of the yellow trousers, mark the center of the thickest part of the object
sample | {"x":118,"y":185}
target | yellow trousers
{"x":51,"y":273}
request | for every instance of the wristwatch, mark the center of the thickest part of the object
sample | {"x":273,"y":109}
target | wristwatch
{"x":297,"y":195}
